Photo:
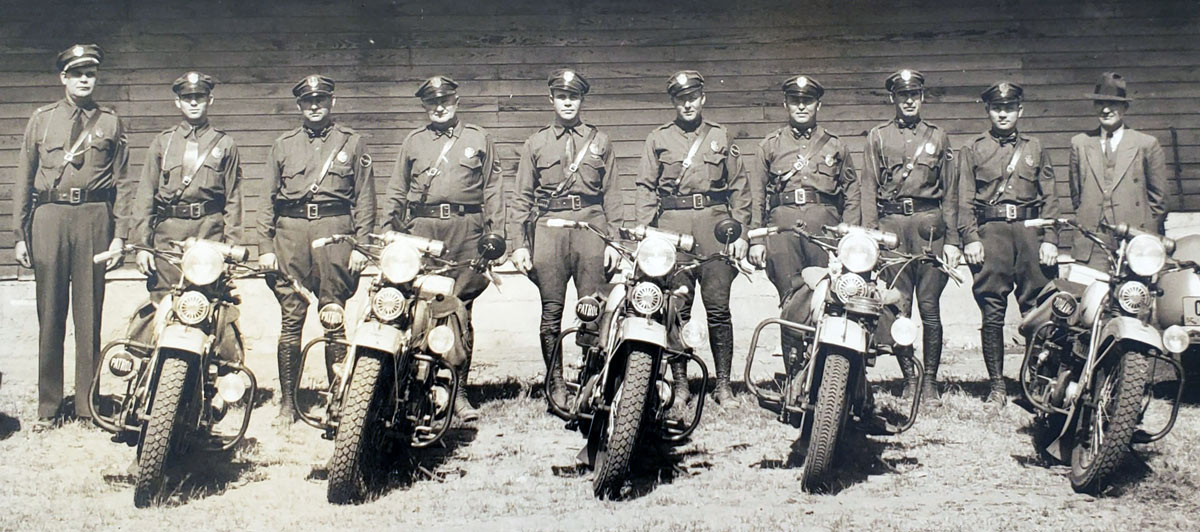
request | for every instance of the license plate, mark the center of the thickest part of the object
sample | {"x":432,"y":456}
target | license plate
{"x":1191,"y":311}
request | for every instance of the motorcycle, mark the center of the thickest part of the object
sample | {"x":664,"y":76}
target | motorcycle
{"x":1178,"y":301}
{"x":628,"y":339}
{"x":1090,"y":343}
{"x":395,"y":390}
{"x":828,"y":386}
{"x":180,"y":386}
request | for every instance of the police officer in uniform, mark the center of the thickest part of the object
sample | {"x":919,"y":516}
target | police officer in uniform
{"x":447,"y":186}
{"x":190,"y":187}
{"x":909,"y":176}
{"x":71,"y":201}
{"x":802,"y":173}
{"x":1005,"y":177}
{"x":318,"y":185}
{"x":566,"y":171}
{"x":689,"y":179}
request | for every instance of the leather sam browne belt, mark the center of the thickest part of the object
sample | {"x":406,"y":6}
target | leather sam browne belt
{"x":908,"y":206}
{"x":441,"y":210}
{"x":74,"y":196}
{"x":313,"y":211}
{"x":693,"y":201}
{"x":572,"y":202}
{"x":800,"y":196}
{"x":1006,"y":212}
{"x":189,"y":211}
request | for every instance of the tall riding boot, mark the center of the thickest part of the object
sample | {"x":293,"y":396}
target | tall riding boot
{"x":932,"y":346}
{"x":992,"y":341}
{"x":554,"y":369}
{"x":680,"y":386}
{"x":721,"y":342}
{"x":288,"y":357}
{"x":908,"y":368}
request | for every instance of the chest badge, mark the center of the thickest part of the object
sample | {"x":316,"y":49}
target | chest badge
{"x":929,"y":148}
{"x":469,"y":152}
{"x":716,"y":148}
{"x":99,"y":133}
{"x":830,"y":159}
{"x":595,"y":150}
{"x":216,"y":153}
{"x":342,"y":157}
{"x":1029,"y":159}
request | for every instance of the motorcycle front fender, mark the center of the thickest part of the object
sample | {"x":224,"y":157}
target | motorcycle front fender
{"x":843,"y":332}
{"x":180,"y":337}
{"x":642,"y":330}
{"x":378,"y":336}
{"x":1125,"y":328}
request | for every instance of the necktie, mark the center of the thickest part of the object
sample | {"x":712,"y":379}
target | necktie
{"x":570,"y":145}
{"x":191,"y":156}
{"x":76,"y":131}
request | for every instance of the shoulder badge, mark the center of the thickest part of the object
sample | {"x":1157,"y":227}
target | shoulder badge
{"x":342,"y":157}
{"x":364,"y":161}
{"x":496,"y":168}
{"x":716,"y":147}
{"x":469,"y":152}
{"x":734,"y":150}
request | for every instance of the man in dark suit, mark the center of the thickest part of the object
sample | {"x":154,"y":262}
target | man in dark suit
{"x":1117,"y":175}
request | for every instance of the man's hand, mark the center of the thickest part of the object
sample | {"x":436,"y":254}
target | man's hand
{"x":521,"y":260}
{"x":358,"y":261}
{"x":145,"y":262}
{"x":757,"y":255}
{"x":22,"y":253}
{"x":612,"y":258}
{"x":268,"y":261}
{"x":115,"y":246}
{"x":738,"y":249}
{"x":974,"y":252}
{"x":951,"y":256}
{"x":1048,"y":254}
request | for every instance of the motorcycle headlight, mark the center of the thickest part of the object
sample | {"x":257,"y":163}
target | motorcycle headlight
{"x":694,"y":334}
{"x":646,"y":297}
{"x":904,"y":331}
{"x":191,"y":307}
{"x":1145,"y":255}
{"x":858,"y":252}
{"x":400,"y":262}
{"x":656,"y":256}
{"x":202,"y":264}
{"x":1175,"y":339}
{"x":1064,"y":305}
{"x":387,"y":303}
{"x":440,"y":339}
{"x":849,"y":285}
{"x":1134,"y":297}
{"x":232,"y":386}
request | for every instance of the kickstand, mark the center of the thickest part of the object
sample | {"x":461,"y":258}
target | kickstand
{"x":429,"y":474}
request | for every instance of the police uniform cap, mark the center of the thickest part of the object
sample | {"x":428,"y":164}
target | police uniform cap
{"x":803,"y":86}
{"x":905,"y":80}
{"x":684,"y":81}
{"x":193,"y":83}
{"x":568,"y":80}
{"x":1003,"y":92}
{"x":313,"y":84}
{"x":79,"y":55}
{"x":436,"y":87}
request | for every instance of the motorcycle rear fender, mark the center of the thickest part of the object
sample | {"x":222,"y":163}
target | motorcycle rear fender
{"x":180,"y":337}
{"x":1125,"y":328}
{"x":378,"y":336}
{"x":844,"y":333}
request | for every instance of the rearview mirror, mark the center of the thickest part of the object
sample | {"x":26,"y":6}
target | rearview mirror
{"x":492,"y":246}
{"x":727,"y":231}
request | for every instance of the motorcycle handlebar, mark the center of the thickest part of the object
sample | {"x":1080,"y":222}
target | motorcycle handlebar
{"x":886,"y":239}
{"x":566,"y":224}
{"x":762,"y":232}
{"x":107,"y":256}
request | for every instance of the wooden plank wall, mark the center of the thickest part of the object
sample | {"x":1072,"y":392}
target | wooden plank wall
{"x":500,"y":52}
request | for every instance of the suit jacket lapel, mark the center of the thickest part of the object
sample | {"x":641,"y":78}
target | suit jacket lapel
{"x":1094,"y":159}
{"x":1125,"y":155}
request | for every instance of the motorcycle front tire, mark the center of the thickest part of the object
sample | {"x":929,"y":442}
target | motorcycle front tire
{"x":159,"y":433}
{"x":828,"y":419}
{"x":1092,"y":462}
{"x":624,"y":425}
{"x":355,"y":466}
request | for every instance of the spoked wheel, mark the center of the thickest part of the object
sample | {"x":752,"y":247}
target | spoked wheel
{"x":624,"y":423}
{"x":357,"y":465}
{"x":1105,"y":429}
{"x":827,"y":422}
{"x":159,"y":434}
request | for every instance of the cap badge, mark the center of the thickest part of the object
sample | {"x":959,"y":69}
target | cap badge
{"x":568,"y":76}
{"x":905,"y":74}
{"x":193,"y":78}
{"x":929,"y":148}
{"x":1003,"y":88}
{"x":342,"y":157}
{"x":313,"y":82}
{"x":435,"y":82}
{"x":801,"y":82}
{"x":681,"y":79}
{"x":77,"y":51}
{"x":469,"y":152}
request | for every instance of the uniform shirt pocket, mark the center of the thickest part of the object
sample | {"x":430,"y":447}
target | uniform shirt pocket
{"x":715,"y":163}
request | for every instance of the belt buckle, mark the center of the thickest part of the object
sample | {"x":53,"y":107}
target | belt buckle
{"x":1010,"y":212}
{"x":800,"y":196}
{"x":196,"y":210}
{"x":444,"y":211}
{"x":697,"y":201}
{"x":75,"y":196}
{"x":312,"y":211}
{"x":907,"y":205}
{"x":576,"y":202}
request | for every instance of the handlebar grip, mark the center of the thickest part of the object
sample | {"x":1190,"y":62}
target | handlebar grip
{"x":762,"y":232}
{"x":561,"y":223}
{"x":106,"y":256}
{"x":1039,"y":222}
{"x":321,"y":242}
